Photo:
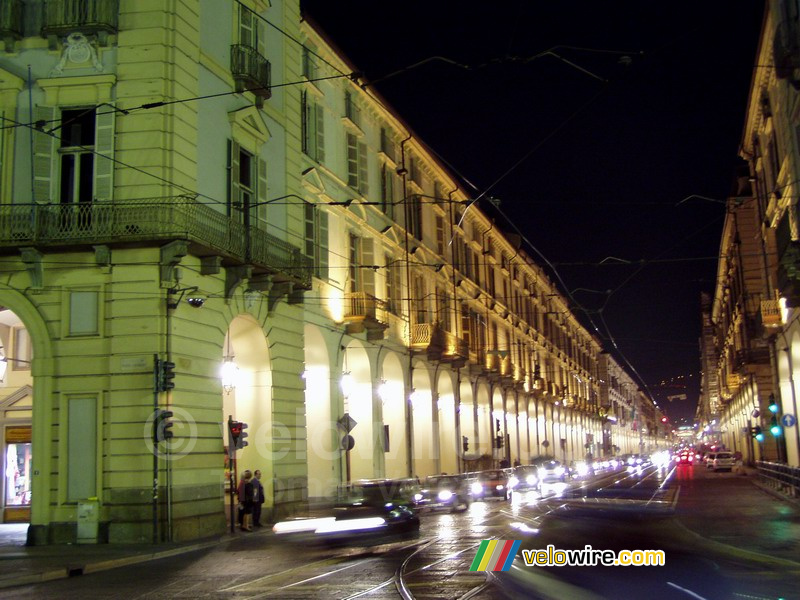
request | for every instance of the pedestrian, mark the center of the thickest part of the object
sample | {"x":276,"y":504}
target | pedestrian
{"x":240,"y":499}
{"x":245,"y":493}
{"x":258,"y":498}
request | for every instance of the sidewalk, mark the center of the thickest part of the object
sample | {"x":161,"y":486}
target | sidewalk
{"x":22,"y":565}
{"x":733,"y":509}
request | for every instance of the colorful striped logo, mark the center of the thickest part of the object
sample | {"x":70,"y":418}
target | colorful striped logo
{"x":495,"y":555}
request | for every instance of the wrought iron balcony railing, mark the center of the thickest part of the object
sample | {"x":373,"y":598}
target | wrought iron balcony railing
{"x":361,"y":305}
{"x":151,"y":220}
{"x":251,"y":71}
{"x":11,"y":19}
{"x":87,"y":16}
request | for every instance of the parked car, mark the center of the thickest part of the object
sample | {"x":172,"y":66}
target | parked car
{"x":709,"y":458}
{"x":445,"y":491}
{"x":723,"y":461}
{"x":492,"y":483}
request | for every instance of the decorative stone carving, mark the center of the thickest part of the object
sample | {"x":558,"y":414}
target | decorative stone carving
{"x":77,"y":49}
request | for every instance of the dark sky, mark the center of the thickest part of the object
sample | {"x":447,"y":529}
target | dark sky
{"x":600,"y":165}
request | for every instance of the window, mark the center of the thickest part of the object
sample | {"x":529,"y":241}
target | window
{"x":414,"y":172}
{"x":443,"y":309}
{"x":440,"y":238}
{"x":309,"y":66}
{"x":418,"y":299}
{"x":387,"y":144}
{"x":251,"y":30}
{"x":388,"y":188}
{"x":74,"y":164}
{"x":313,"y":128}
{"x":351,"y":111}
{"x":361,"y":271}
{"x":357,"y":164}
{"x":393,"y":285}
{"x":247,"y":186}
{"x":415,"y":216}
{"x":316,"y":239}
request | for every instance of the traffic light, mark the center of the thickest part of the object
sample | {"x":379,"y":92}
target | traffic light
{"x":499,"y":441}
{"x":162,"y":425}
{"x":237,"y":434}
{"x":774,"y":428}
{"x":756,"y":433}
{"x":465,"y":443}
{"x":664,"y":419}
{"x":167,"y":375}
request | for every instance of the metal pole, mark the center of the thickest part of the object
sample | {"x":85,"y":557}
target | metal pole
{"x":156,"y":368}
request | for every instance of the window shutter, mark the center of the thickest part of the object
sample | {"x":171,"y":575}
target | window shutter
{"x":322,"y":245}
{"x":304,"y":123}
{"x":367,"y":261}
{"x":440,"y":240}
{"x":43,"y":151}
{"x":104,"y":148}
{"x":352,"y":161}
{"x":261,"y":192}
{"x":320,"y":133}
{"x":363,"y":184}
{"x":233,"y":180}
{"x":261,"y":37}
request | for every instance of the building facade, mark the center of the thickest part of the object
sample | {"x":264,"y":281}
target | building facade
{"x":755,"y":306}
{"x":185,"y":183}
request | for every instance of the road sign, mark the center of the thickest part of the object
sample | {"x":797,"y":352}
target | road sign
{"x":347,"y":423}
{"x":788,"y":420}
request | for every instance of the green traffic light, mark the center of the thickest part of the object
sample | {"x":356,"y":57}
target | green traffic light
{"x":760,"y":437}
{"x":775,"y":430}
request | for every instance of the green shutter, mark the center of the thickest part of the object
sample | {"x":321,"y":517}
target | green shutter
{"x":320,"y":141}
{"x":261,"y":192}
{"x":322,"y":245}
{"x":363,"y":183}
{"x":43,"y":152}
{"x":104,"y":153}
{"x":234,"y":194}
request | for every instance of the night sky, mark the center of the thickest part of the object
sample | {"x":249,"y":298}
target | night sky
{"x":590,"y":159}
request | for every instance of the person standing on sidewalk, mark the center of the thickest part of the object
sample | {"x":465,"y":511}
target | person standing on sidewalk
{"x":258,"y":498}
{"x":245,"y":494}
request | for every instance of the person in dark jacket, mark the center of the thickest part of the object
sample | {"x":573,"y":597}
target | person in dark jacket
{"x":258,"y":498}
{"x":246,"y":500}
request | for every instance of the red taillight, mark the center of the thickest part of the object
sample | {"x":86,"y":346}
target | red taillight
{"x":691,"y":458}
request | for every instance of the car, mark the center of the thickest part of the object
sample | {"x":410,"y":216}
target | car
{"x":709,"y":458}
{"x":369,"y":511}
{"x":723,"y":461}
{"x":550,"y":470}
{"x":445,"y":491}
{"x":492,"y":483}
{"x":524,"y":477}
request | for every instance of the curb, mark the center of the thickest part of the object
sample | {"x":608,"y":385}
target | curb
{"x":103,"y":565}
{"x":775,"y":493}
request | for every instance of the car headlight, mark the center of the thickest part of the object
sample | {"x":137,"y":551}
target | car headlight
{"x":513,"y":482}
{"x":531,"y":480}
{"x":444,"y":495}
{"x":499,"y":486}
{"x":476,"y":488}
{"x":417,"y":497}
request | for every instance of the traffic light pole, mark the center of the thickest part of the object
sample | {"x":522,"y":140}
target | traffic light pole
{"x":156,"y":386}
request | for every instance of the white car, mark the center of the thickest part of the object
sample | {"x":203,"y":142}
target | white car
{"x":710,"y":460}
{"x":723,"y":461}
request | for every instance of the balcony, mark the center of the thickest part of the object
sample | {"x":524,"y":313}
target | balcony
{"x":456,"y":350}
{"x":152,"y":220}
{"x":98,"y":17}
{"x":251,"y":72}
{"x":10,"y":22}
{"x":430,"y":338}
{"x":363,"y":311}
